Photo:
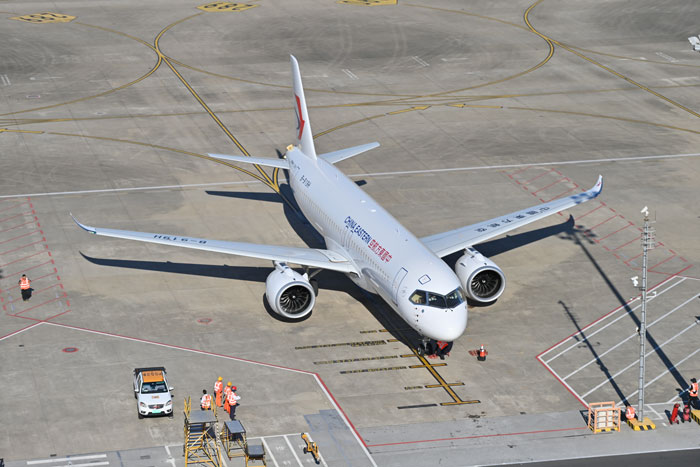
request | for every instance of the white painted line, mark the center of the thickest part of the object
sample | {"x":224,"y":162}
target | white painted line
{"x":291,"y":448}
{"x":268,"y":451}
{"x":64,"y":459}
{"x":319,"y":451}
{"x":350,"y":73}
{"x":21,"y":330}
{"x":646,"y":355}
{"x":83,"y":465}
{"x":666,"y":57}
{"x":5,"y":80}
{"x":454,"y":59}
{"x":420,"y":61}
{"x":171,"y":461}
{"x":622,"y":308}
{"x":370,"y":174}
{"x":567,"y":385}
{"x":631,"y":336}
{"x":668,"y":370}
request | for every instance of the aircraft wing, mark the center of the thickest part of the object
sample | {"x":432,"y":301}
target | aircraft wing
{"x":316,"y":258}
{"x":445,"y":243}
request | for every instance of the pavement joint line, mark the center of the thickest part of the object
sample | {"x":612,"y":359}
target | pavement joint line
{"x":492,"y":435}
{"x":646,"y":355}
{"x":621,"y":307}
{"x":627,"y":338}
{"x":370,"y":174}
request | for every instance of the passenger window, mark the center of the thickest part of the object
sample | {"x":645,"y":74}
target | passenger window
{"x":418,"y":297}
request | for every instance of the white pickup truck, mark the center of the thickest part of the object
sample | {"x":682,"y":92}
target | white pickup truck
{"x":152,"y":392}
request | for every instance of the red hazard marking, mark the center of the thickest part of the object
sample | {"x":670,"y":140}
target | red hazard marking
{"x":22,"y":259}
{"x":20,"y":225}
{"x":662,"y":262}
{"x":20,"y":236}
{"x":17,"y":215}
{"x":23,"y":246}
{"x":606,"y":220}
{"x":562,"y":194}
{"x":14,"y":206}
{"x":550,"y":185}
{"x":300,"y":117}
{"x":204,"y":320}
{"x":41,"y":304}
{"x":37,"y":266}
{"x":70,"y":349}
{"x":595,"y":209}
{"x":618,"y":230}
{"x":540,"y":175}
{"x":625,"y":244}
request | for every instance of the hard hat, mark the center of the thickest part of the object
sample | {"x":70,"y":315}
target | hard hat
{"x":229,"y":383}
{"x":220,"y":378}
{"x":234,"y":388}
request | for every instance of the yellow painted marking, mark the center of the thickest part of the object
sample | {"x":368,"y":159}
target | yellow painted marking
{"x":20,"y":131}
{"x":431,"y":386}
{"x":46,"y":17}
{"x":461,"y":402}
{"x":369,"y":2}
{"x":218,"y":7}
{"x":373,"y":370}
{"x":418,"y":107}
{"x":476,"y":106}
{"x":426,"y":366}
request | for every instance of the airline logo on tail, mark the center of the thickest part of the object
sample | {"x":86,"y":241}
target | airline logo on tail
{"x":300,"y":120}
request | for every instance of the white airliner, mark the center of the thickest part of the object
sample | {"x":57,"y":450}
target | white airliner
{"x":365,"y":242}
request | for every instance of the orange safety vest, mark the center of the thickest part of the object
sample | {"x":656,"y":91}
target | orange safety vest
{"x":227,"y":391}
{"x":630,"y":412}
{"x":24,"y":283}
{"x":231,"y":398}
{"x":218,"y":386}
{"x":206,"y":402}
{"x":442,"y":344}
{"x":693,"y":390}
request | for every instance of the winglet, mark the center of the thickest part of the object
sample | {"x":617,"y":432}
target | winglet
{"x":304,"y":138}
{"x":83,"y":226}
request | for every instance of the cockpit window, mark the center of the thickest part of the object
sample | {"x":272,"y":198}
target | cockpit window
{"x":436,"y":300}
{"x":418,"y":297}
{"x":455,"y":297}
{"x":451,"y":300}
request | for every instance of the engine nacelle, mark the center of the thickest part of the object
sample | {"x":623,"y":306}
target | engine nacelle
{"x":289,"y":293}
{"x":483,"y":281}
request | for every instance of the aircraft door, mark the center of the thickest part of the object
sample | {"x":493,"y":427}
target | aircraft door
{"x":398,"y":279}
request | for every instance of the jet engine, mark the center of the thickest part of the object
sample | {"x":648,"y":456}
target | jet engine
{"x":483,"y":281}
{"x":289,"y":293}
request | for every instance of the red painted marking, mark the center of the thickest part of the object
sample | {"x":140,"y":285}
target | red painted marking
{"x":22,"y":259}
{"x":540,"y":175}
{"x":478,"y":436}
{"x":17,"y":215}
{"x":20,"y":236}
{"x":35,"y":292}
{"x":618,"y":230}
{"x":606,"y":220}
{"x":592,"y":210}
{"x":12,"y":207}
{"x":672,"y":251}
{"x":624,"y":245}
{"x":20,"y":225}
{"x":17,"y":331}
{"x":34,"y":279}
{"x":24,"y":246}
{"x":662,"y":262}
{"x":551,"y":184}
{"x":40,"y":304}
{"x":604,"y":247}
{"x":34,"y":267}
{"x":562,"y":194}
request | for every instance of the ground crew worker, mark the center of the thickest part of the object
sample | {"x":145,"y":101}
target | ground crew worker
{"x":205,"y":403}
{"x":227,"y":391}
{"x":218,"y":390}
{"x":25,"y":287}
{"x":443,"y":348}
{"x":693,"y":394}
{"x":630,"y":413}
{"x":232,"y":401}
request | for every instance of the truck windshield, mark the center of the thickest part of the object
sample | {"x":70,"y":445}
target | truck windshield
{"x":159,"y":386}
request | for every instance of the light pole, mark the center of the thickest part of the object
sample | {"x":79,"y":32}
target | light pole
{"x":647,"y":244}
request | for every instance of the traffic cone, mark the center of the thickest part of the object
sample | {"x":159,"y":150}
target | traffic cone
{"x":481,"y":356}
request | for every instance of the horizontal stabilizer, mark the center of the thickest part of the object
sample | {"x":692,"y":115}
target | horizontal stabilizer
{"x":266,"y":161}
{"x":337,"y":156}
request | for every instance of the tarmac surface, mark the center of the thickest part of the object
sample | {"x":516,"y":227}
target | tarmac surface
{"x":108,"y":110}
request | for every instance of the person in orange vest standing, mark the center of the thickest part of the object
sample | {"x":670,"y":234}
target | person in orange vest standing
{"x":205,"y":403}
{"x":232,"y":400}
{"x":218,"y":390}
{"x":227,"y":391}
{"x":630,"y":413}
{"x":25,"y":287}
{"x":443,"y":348}
{"x":693,"y":394}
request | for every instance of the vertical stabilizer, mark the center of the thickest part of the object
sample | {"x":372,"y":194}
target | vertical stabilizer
{"x":304,"y":138}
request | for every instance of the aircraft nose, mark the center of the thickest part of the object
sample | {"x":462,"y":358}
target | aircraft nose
{"x":443,"y":326}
